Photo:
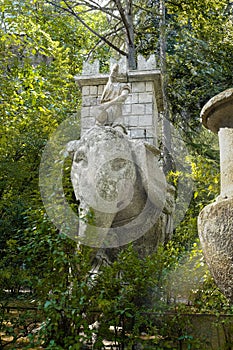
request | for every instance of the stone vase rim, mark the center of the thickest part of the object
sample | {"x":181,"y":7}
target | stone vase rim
{"x":213,"y":114}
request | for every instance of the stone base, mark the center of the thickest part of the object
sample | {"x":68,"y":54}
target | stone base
{"x":215,"y":226}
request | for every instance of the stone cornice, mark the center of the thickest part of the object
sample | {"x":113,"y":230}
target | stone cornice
{"x":131,"y":76}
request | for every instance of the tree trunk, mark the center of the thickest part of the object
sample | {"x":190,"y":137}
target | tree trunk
{"x":166,"y":126}
{"x":132,"y":57}
{"x":130,"y":36}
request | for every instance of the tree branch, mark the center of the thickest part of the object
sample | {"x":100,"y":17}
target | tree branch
{"x":124,"y":19}
{"x":94,"y":6}
{"x":148,"y":10}
{"x":70,"y":10}
{"x":127,"y":19}
{"x":100,"y":41}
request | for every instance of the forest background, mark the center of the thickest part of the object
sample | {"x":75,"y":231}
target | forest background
{"x":43,"y":45}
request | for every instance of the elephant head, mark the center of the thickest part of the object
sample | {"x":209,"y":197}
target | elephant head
{"x":120,"y":181}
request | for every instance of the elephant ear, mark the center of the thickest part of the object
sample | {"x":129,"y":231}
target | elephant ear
{"x":153,"y":179}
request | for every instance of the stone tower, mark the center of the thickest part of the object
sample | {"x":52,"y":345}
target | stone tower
{"x":143,"y":105}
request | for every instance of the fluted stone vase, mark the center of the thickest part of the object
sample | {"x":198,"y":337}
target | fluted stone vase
{"x":215,"y":222}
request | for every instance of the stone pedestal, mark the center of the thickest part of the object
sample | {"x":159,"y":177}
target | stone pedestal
{"x":215,"y":222}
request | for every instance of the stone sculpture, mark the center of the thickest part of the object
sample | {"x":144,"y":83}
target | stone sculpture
{"x":114,"y":95}
{"x":215,"y":223}
{"x":117,"y":180}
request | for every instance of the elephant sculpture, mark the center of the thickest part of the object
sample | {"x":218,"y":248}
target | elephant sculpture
{"x":119,"y":185}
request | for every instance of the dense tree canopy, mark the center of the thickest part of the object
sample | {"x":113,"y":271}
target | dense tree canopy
{"x":43,"y":44}
{"x":199,"y":52}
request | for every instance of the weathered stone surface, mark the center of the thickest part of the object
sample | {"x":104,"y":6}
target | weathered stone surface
{"x":145,"y":120}
{"x":146,"y":64}
{"x":122,"y":63}
{"x":145,"y":97}
{"x":138,"y":109}
{"x":117,"y":176}
{"x":139,"y":86}
{"x":87,"y":123}
{"x":218,"y":111}
{"x":90,"y":68}
{"x":113,"y":97}
{"x":129,"y":114}
{"x":131,"y":121}
{"x":120,"y":180}
{"x":149,"y":86}
{"x":216,"y":234}
{"x":161,"y":232}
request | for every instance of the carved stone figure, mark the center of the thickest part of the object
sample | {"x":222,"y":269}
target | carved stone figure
{"x":114,"y":95}
{"x":122,"y":192}
{"x":118,"y":181}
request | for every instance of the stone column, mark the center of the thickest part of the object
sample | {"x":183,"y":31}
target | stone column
{"x":215,"y":222}
{"x":226,"y":161}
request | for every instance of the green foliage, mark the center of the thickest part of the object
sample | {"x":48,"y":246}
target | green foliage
{"x":115,"y":301}
{"x":198,"y":57}
{"x":208,"y":298}
{"x":66,"y":305}
{"x":113,"y":298}
{"x":41,"y":52}
{"x":37,"y":91}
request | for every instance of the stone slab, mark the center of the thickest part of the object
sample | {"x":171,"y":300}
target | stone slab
{"x":139,"y":86}
{"x":131,"y":120}
{"x":145,"y":120}
{"x":145,"y":97}
{"x":138,"y":109}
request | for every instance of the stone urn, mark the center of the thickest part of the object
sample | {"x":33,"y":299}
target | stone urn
{"x":215,"y":222}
